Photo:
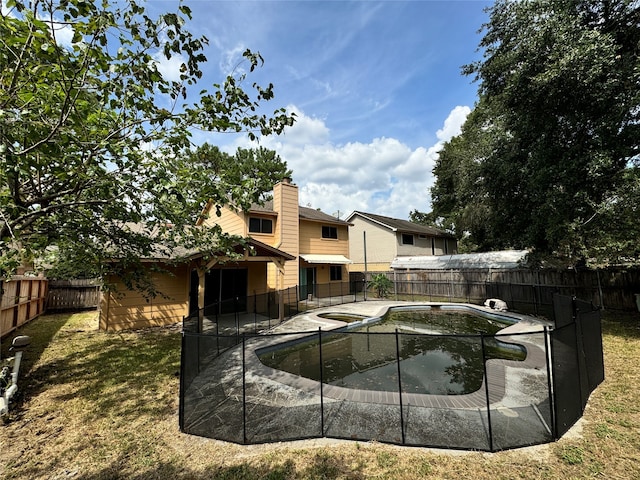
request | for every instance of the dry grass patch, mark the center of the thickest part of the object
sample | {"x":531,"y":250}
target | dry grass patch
{"x":103,"y":406}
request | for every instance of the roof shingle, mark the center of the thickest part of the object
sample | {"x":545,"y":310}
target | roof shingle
{"x":402,"y":225}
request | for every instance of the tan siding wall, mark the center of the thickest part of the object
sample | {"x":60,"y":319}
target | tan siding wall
{"x":371,"y":267}
{"x":256,"y":281}
{"x":230,"y":221}
{"x":311,"y":240}
{"x":381,"y":244}
{"x":126,"y":309}
{"x":285,"y":203}
{"x":268,"y":238}
{"x":323,"y":272}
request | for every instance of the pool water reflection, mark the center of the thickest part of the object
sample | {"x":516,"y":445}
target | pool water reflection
{"x":440,"y":352}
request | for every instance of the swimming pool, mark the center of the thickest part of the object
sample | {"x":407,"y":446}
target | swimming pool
{"x":429,"y":350}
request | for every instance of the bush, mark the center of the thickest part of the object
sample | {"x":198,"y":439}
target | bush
{"x":381,"y":284}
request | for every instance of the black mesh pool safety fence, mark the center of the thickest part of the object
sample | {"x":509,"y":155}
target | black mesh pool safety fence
{"x":362,"y":385}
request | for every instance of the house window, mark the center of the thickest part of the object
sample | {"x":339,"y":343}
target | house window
{"x":407,"y":239}
{"x":336,"y":272}
{"x":329,"y":232}
{"x":260,"y":225}
{"x":433,"y":246}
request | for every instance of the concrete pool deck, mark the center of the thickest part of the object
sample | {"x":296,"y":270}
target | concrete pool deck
{"x":282,"y":406}
{"x":312,"y":321}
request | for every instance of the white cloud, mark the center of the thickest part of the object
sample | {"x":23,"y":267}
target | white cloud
{"x":170,"y":69}
{"x":231,"y":60}
{"x":453,"y":123}
{"x":63,"y":34}
{"x":384,"y":176}
{"x":306,"y":130}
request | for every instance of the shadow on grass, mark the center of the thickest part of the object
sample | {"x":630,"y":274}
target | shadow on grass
{"x":619,"y":323}
{"x":126,"y":375}
{"x":319,"y":465}
{"x":42,"y":331}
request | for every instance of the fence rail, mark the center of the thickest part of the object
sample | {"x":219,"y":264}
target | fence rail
{"x":255,"y":313}
{"x":608,"y":288}
{"x":74,"y":294}
{"x":23,"y":299}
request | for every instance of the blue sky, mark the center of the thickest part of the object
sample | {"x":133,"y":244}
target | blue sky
{"x":376,"y":87}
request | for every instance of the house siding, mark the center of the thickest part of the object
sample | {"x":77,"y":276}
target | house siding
{"x":287,"y":233}
{"x":134,"y":311}
{"x":255,"y":278}
{"x":421,"y":246}
{"x":311,"y":240}
{"x":449,"y":249}
{"x":230,"y":221}
{"x":381,"y":245}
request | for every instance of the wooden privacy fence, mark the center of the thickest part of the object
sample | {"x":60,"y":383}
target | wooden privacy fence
{"x":23,"y":299}
{"x":523,"y":289}
{"x":73,"y":294}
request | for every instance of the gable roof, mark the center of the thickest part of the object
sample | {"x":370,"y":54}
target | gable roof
{"x":163,"y":252}
{"x":305,"y":213}
{"x":397,"y":225}
{"x":318,"y":216}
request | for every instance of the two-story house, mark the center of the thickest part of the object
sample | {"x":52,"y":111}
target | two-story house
{"x":379,"y":239}
{"x":318,"y":241}
{"x":289,"y":246}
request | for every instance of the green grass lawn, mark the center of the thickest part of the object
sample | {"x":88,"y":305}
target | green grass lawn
{"x":101,"y":406}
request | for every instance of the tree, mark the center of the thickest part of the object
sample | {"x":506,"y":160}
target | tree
{"x":459,"y":198}
{"x":199,"y":176}
{"x":93,"y":137}
{"x":560,"y":109}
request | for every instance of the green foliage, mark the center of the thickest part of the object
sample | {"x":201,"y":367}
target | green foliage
{"x":244,"y":178}
{"x":544,"y":160}
{"x":381,"y":284}
{"x":93,"y":136}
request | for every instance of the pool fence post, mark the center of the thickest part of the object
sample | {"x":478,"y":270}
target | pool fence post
{"x":400,"y":387}
{"x":183,"y":363}
{"x":451,"y":285}
{"x":269,"y":306}
{"x":486,"y":391}
{"x":217,"y":335}
{"x":330,"y":293}
{"x":395,"y":285}
{"x":321,"y":385}
{"x":537,"y":294}
{"x":244,"y":395}
{"x":255,"y":312}
{"x":236,"y":315}
{"x":552,"y":399}
{"x":364,"y":240}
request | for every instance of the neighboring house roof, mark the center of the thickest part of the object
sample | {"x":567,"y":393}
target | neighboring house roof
{"x":397,"y":225}
{"x":305,"y":213}
{"x":501,"y":259}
